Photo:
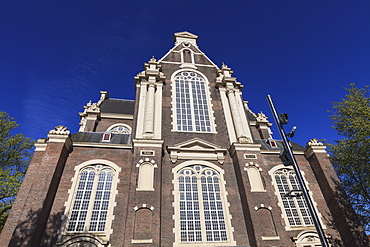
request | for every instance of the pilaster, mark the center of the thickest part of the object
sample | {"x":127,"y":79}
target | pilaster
{"x":150,"y":82}
{"x":91,"y":115}
{"x":146,"y":230}
{"x":26,"y":228}
{"x":343,"y":216}
{"x":231,"y":98}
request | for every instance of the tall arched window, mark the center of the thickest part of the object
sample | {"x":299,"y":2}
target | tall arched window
{"x":191,"y":103}
{"x":294,"y":205}
{"x":90,"y":208}
{"x":201,"y":214}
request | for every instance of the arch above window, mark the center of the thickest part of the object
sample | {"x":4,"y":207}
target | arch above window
{"x":191,"y":102}
{"x":86,"y":239}
{"x":119,"y":129}
{"x":307,"y":238}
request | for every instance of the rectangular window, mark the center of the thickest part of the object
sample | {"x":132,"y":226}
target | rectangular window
{"x":106,"y":137}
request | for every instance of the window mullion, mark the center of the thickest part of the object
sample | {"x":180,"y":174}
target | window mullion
{"x":295,"y":200}
{"x":192,"y":105}
{"x":92,"y":200}
{"x":201,"y":209}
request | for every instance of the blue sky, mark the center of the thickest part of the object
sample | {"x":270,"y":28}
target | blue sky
{"x":55,"y":56}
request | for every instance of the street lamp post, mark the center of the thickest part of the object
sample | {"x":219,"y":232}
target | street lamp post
{"x":288,"y":159}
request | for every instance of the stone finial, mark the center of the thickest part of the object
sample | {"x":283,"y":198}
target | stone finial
{"x":261,"y":117}
{"x":103,"y":96}
{"x":225,"y":78}
{"x":151,"y":72}
{"x":186,"y":38}
{"x":92,"y":107}
{"x":225,"y":70}
{"x":60,"y":130}
{"x":314,"y":142}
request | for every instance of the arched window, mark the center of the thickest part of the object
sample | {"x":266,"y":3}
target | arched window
{"x":294,"y":205}
{"x":90,"y":206}
{"x":191,"y":103}
{"x":123,"y":130}
{"x":91,"y":201}
{"x":201,"y":213}
{"x":119,"y":129}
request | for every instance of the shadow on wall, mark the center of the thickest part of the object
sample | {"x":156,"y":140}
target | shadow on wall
{"x":30,"y":233}
{"x":354,"y":235}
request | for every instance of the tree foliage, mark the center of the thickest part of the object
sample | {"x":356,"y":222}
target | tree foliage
{"x":15,"y":153}
{"x":351,"y":154}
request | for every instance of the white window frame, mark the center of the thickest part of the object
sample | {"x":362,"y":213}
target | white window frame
{"x":225,"y":206}
{"x":105,"y":164}
{"x":118,"y":125}
{"x":208,"y":99}
{"x":288,"y":225}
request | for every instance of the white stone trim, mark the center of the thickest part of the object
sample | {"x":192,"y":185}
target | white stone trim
{"x":197,"y":149}
{"x":41,"y":145}
{"x":184,"y":64}
{"x":277,"y":151}
{"x":119,"y":124}
{"x":142,"y":241}
{"x":196,"y":64}
{"x":141,"y":109}
{"x":141,"y":181}
{"x":255,"y":181}
{"x":102,"y":145}
{"x":271,"y":238}
{"x":251,"y":147}
{"x":116,"y":115}
{"x":148,"y":143}
{"x":228,"y":117}
{"x":158,"y":112}
{"x":199,"y":53}
{"x":243,"y":116}
{"x":307,"y":238}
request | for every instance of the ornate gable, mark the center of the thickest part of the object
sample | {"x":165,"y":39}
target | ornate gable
{"x":185,"y":37}
{"x":197,"y":149}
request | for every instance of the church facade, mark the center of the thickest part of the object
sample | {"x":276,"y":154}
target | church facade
{"x":186,"y":163}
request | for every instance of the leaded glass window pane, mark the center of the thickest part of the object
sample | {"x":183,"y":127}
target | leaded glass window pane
{"x":191,"y":103}
{"x":91,"y":201}
{"x":201,"y":208}
{"x":296,"y":209}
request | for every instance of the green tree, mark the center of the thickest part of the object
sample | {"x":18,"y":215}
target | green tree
{"x":15,"y":153}
{"x":351,"y":154}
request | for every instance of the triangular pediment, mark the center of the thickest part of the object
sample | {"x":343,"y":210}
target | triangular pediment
{"x":197,"y":144}
{"x":196,"y":149}
{"x":186,"y":35}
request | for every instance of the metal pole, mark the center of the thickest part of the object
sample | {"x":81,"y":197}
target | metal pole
{"x":288,"y":149}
